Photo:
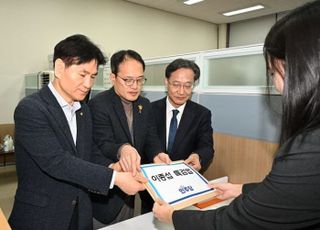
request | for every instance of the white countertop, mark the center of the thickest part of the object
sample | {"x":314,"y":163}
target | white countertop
{"x":149,"y":222}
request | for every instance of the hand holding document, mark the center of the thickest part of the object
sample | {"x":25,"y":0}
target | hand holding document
{"x":178,"y":184}
{"x":128,"y":183}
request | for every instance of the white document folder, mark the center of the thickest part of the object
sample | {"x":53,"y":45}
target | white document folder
{"x":177,"y":183}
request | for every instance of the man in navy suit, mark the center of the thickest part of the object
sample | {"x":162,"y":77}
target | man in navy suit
{"x":192,"y":140}
{"x":55,"y":150}
{"x":124,"y":129}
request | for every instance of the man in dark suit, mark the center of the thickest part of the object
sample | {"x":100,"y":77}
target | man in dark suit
{"x":192,"y":140}
{"x":124,"y":130}
{"x":184,"y":127}
{"x":54,"y":147}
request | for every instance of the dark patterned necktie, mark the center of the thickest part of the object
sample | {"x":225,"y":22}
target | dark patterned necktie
{"x":172,"y":129}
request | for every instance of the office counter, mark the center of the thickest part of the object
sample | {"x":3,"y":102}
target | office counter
{"x":148,"y":221}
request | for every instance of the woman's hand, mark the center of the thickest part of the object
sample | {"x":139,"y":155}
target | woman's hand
{"x":227,"y":190}
{"x":163,"y":211}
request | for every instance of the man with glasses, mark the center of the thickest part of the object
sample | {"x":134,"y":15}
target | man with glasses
{"x":125,"y":130}
{"x":193,"y":140}
{"x":184,"y":127}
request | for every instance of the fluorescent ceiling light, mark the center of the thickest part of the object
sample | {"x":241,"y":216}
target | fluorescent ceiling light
{"x":190,"y":2}
{"x":244,"y":10}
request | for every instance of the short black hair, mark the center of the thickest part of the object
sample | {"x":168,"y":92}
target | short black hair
{"x":183,"y":63}
{"x":77,"y":49}
{"x":122,"y":55}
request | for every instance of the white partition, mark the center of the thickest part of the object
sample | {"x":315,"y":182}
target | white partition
{"x":230,"y":70}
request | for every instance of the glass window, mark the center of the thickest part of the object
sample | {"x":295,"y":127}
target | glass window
{"x":102,"y":80}
{"x":155,"y":68}
{"x":155,"y":74}
{"x":247,"y":70}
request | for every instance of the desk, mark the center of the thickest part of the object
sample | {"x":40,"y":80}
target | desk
{"x":4,"y":156}
{"x":148,"y":221}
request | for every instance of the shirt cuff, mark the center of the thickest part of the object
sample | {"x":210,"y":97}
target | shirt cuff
{"x":112,"y":179}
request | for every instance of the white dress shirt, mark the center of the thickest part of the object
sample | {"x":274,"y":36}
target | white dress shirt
{"x":70,"y":113}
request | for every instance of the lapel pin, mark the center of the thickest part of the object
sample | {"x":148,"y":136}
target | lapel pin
{"x":81,"y":113}
{"x":140,"y":107}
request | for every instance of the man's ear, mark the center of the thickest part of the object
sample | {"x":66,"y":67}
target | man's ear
{"x":59,"y":68}
{"x":112,"y":78}
{"x":166,"y":82}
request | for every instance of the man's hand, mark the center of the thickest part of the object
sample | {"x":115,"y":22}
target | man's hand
{"x":116,"y":166}
{"x":130,"y":159}
{"x":227,"y":190}
{"x":194,"y":161}
{"x":163,"y":211}
{"x":162,"y":158}
{"x":130,"y":184}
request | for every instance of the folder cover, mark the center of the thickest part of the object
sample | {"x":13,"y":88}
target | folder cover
{"x":177,"y":183}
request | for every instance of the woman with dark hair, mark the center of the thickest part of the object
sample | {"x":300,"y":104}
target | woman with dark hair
{"x":289,"y":197}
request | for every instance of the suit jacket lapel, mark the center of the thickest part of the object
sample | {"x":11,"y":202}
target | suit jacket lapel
{"x":185,"y":123}
{"x":139,"y":122}
{"x":162,"y":123}
{"x":119,"y":110}
{"x":81,"y":130}
{"x":58,"y":114}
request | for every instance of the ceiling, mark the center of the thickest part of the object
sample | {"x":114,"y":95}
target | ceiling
{"x":210,"y":10}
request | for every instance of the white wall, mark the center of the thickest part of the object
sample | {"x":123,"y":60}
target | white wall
{"x":30,"y":29}
{"x":252,"y":31}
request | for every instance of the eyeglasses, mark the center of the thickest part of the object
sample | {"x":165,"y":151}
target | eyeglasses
{"x":176,"y":85}
{"x":130,"y":81}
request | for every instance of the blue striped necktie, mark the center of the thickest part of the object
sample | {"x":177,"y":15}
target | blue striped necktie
{"x":172,"y":129}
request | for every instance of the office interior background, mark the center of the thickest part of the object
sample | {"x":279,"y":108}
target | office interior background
{"x":246,"y":129}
